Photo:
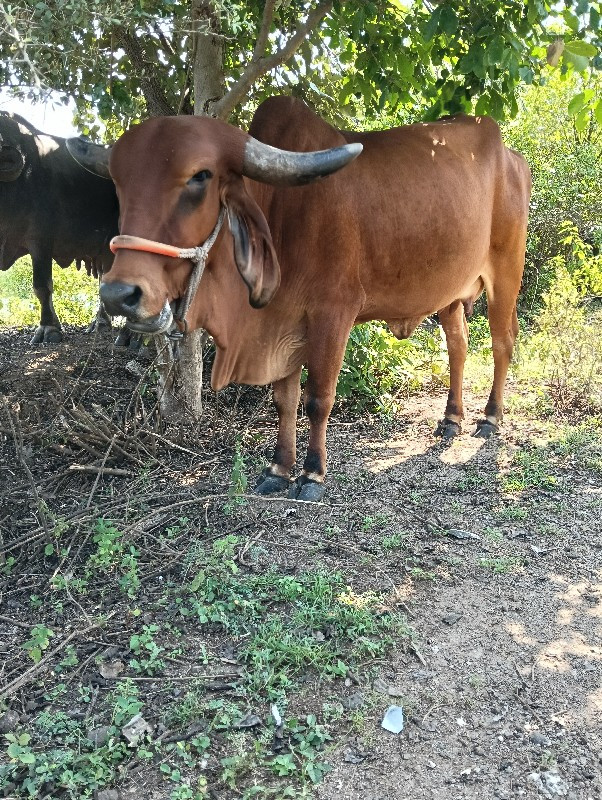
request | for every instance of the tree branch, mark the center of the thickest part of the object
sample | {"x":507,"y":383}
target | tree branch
{"x":36,"y":76}
{"x":261,"y":65}
{"x":156,"y":100}
{"x":264,"y":29}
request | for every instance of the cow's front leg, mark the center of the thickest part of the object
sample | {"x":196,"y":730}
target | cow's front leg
{"x":101,"y":322}
{"x":326,"y":350}
{"x":49,"y":329}
{"x":276,"y":478}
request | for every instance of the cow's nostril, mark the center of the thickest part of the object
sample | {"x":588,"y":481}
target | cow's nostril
{"x":120,"y":298}
{"x":132,"y":300}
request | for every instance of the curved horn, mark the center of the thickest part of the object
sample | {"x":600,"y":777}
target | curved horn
{"x":11,"y":163}
{"x":93,"y":157}
{"x":268,"y":164}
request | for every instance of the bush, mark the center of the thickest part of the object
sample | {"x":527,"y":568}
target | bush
{"x":75,"y":295}
{"x":378,"y":368}
{"x":564,"y":155}
{"x":566,"y":349}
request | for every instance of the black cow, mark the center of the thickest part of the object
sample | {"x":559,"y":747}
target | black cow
{"x":51,"y":208}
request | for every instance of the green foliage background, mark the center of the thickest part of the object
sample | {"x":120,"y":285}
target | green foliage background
{"x":75,"y":299}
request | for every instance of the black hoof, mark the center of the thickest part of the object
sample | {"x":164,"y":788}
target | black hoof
{"x":271,"y":484}
{"x":47,"y":334}
{"x":135,"y":342}
{"x":447,"y":429}
{"x":306,"y":489}
{"x":123,"y":338}
{"x":485,"y":429}
{"x":99,"y":326}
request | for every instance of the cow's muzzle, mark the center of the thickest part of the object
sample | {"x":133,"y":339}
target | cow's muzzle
{"x":123,"y":300}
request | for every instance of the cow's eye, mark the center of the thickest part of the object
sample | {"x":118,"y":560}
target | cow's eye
{"x":200,"y":178}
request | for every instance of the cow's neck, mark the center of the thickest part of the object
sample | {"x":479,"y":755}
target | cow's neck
{"x":253,"y":346}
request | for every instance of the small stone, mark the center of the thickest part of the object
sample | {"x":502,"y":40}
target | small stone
{"x":380,"y":686}
{"x":457,"y":533}
{"x":111,"y":669}
{"x":452,"y":618}
{"x":395,"y":691}
{"x":539,"y":739}
{"x":99,"y":736}
{"x":9,"y":721}
{"x":135,"y":729}
{"x":250,"y":721}
{"x":107,"y":794}
{"x":354,"y":701}
{"x":353,"y":756}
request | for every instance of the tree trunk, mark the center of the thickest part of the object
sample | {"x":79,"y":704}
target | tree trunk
{"x":180,"y":382}
{"x":208,"y":66}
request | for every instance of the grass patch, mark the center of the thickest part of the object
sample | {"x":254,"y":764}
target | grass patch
{"x":530,"y":469}
{"x":540,"y":467}
{"x":282,"y":632}
{"x":501,"y":565}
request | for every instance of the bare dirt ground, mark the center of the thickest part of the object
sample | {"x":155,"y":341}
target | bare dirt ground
{"x":492,"y":550}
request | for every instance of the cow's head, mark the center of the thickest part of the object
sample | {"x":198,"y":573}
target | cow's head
{"x":11,"y":161}
{"x":173,"y":175}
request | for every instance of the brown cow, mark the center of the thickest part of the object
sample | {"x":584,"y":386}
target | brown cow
{"x":425,"y":219}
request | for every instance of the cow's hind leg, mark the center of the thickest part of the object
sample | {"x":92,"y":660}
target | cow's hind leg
{"x":49,"y":329}
{"x":453,"y":322}
{"x":276,"y":477}
{"x":503,"y":322}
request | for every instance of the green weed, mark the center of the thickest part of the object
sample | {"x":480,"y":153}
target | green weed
{"x":502,"y":564}
{"x":148,"y":653}
{"x":512,"y":513}
{"x":38,"y":641}
{"x":530,"y":469}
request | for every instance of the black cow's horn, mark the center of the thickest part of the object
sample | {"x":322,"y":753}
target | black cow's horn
{"x":268,"y":164}
{"x":93,"y":157}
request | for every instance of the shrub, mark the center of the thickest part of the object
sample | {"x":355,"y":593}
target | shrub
{"x":566,"y":349}
{"x":378,"y":368}
{"x":563,"y":152}
{"x":75,"y":295}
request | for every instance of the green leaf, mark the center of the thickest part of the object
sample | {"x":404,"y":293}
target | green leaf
{"x":571,"y":20}
{"x":432,"y":26}
{"x":580,"y":48}
{"x":579,"y":63}
{"x":448,"y":21}
{"x":577,"y":104}
{"x":582,"y":120}
{"x":482,"y":106}
{"x":598,"y":112}
{"x":495,"y":50}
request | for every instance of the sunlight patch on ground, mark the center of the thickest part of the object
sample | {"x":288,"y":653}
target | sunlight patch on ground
{"x":41,"y":360}
{"x":573,"y":650}
{"x":462,"y":450}
{"x":556,"y":655}
{"x":391,"y":453}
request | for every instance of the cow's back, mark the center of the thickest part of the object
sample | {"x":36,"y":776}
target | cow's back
{"x":406,"y":228}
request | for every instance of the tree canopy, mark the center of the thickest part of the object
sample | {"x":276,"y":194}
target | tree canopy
{"x":124,"y":59}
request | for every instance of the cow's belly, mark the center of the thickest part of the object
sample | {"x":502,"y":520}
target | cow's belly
{"x":404,"y":293}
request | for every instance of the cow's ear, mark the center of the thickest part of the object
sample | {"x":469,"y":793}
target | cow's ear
{"x":253,"y":248}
